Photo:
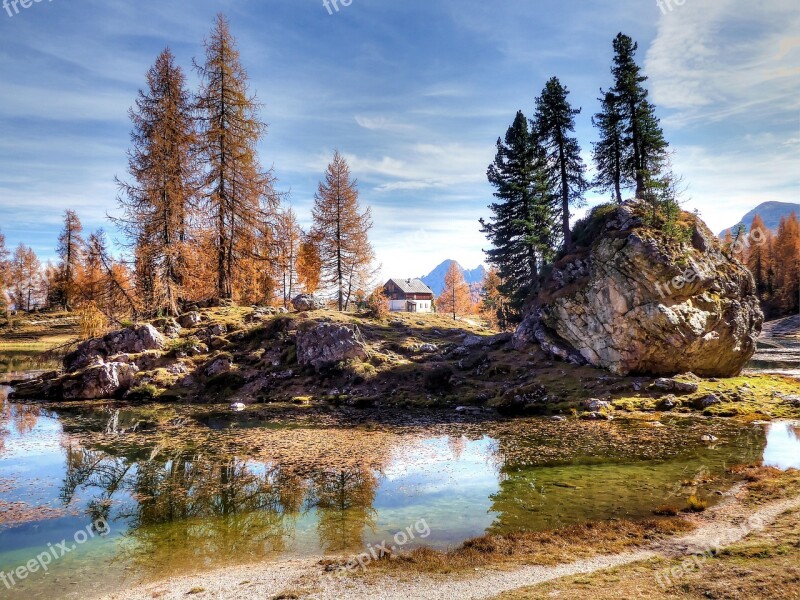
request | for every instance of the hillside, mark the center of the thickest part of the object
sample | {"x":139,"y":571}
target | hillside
{"x":771,"y":212}
{"x":435,"y":279}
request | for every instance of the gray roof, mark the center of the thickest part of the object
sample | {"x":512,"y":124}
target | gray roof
{"x":412,"y":286}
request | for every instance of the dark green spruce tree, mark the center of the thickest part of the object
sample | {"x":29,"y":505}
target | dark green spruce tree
{"x":521,"y":229}
{"x":610,"y":153}
{"x":553,"y":124}
{"x":646,"y":162}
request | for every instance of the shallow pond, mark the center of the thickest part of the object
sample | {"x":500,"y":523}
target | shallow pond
{"x":205,"y":488}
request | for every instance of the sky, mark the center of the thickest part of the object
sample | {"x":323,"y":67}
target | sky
{"x":414,"y":93}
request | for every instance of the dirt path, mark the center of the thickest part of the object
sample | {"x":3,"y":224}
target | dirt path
{"x":721,"y":526}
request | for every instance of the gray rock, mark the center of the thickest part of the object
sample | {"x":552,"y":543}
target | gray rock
{"x":132,"y":340}
{"x":471,"y":341}
{"x":107,"y":380}
{"x":673,"y":385}
{"x":329,"y":343}
{"x":427,"y":348}
{"x":190,"y":319}
{"x":709,"y":400}
{"x":237,"y":406}
{"x":636,"y":304}
{"x":307,"y":302}
{"x":709,"y":438}
{"x":595,"y":405}
{"x":219,"y":366}
{"x":667,"y":402}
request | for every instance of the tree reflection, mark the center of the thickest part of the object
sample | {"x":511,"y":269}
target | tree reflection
{"x":183,"y":510}
{"x":343,"y":500}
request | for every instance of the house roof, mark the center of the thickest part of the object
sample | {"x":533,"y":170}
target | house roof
{"x":411,"y":286}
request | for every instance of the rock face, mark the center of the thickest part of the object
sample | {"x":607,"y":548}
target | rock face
{"x":328,"y":343}
{"x":635,"y":302}
{"x":132,"y":340}
{"x":106,"y":380}
{"x":305,"y":302}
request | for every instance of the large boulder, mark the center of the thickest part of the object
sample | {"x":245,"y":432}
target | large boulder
{"x":106,"y":380}
{"x":306,"y":302}
{"x":636,"y":301}
{"x":326,"y":344}
{"x":131,"y":340}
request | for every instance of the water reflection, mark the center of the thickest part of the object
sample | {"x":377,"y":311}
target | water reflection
{"x":783,"y":446}
{"x":181,"y":505}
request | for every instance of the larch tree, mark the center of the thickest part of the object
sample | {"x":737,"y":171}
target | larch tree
{"x":341,"y":231}
{"x":288,"y":238}
{"x":5,"y":274}
{"x":309,"y":265}
{"x":26,"y":275}
{"x":70,"y":253}
{"x":494,"y":305}
{"x":553,"y":125}
{"x":787,"y":265}
{"x":157,"y":205}
{"x":455,"y":298}
{"x":610,"y":153}
{"x":239,"y":195}
{"x":523,"y":228}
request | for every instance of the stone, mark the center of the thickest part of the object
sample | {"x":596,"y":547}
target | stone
{"x":108,"y":380}
{"x":132,"y":340}
{"x":634,"y":302}
{"x":709,"y":438}
{"x":709,"y":400}
{"x":427,"y":348}
{"x":673,"y":385}
{"x":558,"y":418}
{"x":595,"y":405}
{"x":307,"y":302}
{"x":217,"y":367}
{"x":237,"y":406}
{"x":471,"y":341}
{"x":667,"y":402}
{"x":326,"y":344}
{"x":190,"y":319}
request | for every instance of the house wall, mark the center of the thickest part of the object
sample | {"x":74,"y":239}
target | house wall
{"x":423,"y":306}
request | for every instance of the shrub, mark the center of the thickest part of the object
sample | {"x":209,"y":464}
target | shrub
{"x":91,"y":322}
{"x":378,"y":303}
{"x":696,"y":504}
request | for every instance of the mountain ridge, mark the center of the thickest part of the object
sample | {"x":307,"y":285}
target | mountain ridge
{"x":435,"y":279}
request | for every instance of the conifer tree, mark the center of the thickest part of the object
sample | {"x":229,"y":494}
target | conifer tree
{"x":523,"y":227}
{"x":26,"y":275}
{"x":309,"y":265}
{"x":288,"y":239}
{"x":341,"y":230}
{"x":240,"y":200}
{"x":70,"y":246}
{"x":553,"y":123}
{"x":646,"y":148}
{"x":5,"y":274}
{"x":787,"y":263}
{"x":758,"y":259}
{"x":610,"y":153}
{"x":158,"y":204}
{"x":455,"y":298}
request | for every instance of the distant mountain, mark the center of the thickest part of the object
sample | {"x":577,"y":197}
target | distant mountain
{"x":770,"y":212}
{"x":435,"y":279}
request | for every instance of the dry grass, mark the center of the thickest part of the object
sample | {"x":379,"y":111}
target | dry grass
{"x":538,"y":548}
{"x":763,"y":565}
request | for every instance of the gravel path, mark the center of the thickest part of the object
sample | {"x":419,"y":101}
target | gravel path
{"x":724,"y":525}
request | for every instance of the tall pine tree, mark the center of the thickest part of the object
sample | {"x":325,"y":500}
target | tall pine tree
{"x":522,"y":229}
{"x":553,"y":123}
{"x":610,"y":153}
{"x":646,"y":149}
{"x":70,"y":250}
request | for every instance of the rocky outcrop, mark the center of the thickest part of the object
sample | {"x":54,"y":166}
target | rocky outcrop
{"x":106,"y":380}
{"x":132,"y":340}
{"x":636,"y":301}
{"x":326,"y":344}
{"x":306,"y":302}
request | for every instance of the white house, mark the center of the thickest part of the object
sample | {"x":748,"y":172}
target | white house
{"x":408,"y":295}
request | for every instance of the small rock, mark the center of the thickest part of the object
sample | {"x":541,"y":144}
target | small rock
{"x":673,"y":385}
{"x":709,"y":438}
{"x":190,"y":319}
{"x":219,"y":366}
{"x":667,"y":403}
{"x":237,"y":406}
{"x":558,"y":418}
{"x":595,"y":405}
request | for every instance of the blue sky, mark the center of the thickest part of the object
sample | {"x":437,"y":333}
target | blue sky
{"x":414,"y":93}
